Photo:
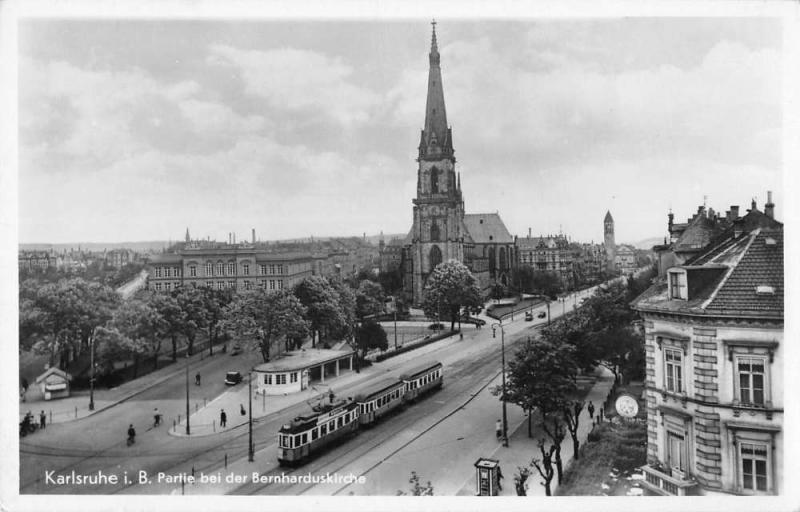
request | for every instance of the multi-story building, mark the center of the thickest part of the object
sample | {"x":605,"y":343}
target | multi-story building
{"x":391,"y":254}
{"x":552,"y":253}
{"x":119,"y":257}
{"x":441,"y":230}
{"x":38,"y":260}
{"x":625,"y":260}
{"x":714,"y":364}
{"x":236,"y":266}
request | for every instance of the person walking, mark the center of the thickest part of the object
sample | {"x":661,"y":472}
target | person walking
{"x":242,"y":410}
{"x":42,"y":420}
{"x":498,"y":429}
{"x":156,"y":417}
{"x":499,"y":477}
{"x":223,"y":418}
{"x":131,"y":435}
{"x":197,"y":379}
{"x":590,"y":408}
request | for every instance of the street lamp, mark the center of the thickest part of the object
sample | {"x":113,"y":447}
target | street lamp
{"x":503,"y":372}
{"x":188,"y":430}
{"x":250,"y":420}
{"x":91,"y":379}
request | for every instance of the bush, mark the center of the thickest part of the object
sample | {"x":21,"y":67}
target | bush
{"x":408,"y":348}
{"x":436,"y":327}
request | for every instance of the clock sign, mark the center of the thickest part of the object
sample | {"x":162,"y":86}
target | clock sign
{"x":626,"y":406}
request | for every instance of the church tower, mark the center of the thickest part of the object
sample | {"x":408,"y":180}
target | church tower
{"x":436,"y":234}
{"x":611,"y":246}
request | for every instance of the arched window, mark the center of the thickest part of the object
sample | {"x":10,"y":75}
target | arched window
{"x":434,"y":180}
{"x":434,"y":232}
{"x":435,"y":256}
{"x":492,"y":262}
{"x":503,"y":261}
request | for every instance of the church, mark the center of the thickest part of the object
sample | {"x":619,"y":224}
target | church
{"x":441,"y":229}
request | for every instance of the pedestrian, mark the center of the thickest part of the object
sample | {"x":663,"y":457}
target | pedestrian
{"x":197,"y":379}
{"x":499,"y":477}
{"x":42,"y":420}
{"x":498,"y":429}
{"x":223,"y":418}
{"x":590,"y":408}
{"x":241,"y":409}
{"x":461,"y":335}
{"x":156,"y":417}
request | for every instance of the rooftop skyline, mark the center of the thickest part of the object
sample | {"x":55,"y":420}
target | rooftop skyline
{"x":137,"y":129}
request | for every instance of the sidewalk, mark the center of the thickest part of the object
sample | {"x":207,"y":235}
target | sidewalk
{"x":521,"y":449}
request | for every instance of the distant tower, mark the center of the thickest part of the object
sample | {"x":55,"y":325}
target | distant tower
{"x":439,"y":206}
{"x":611,"y":247}
{"x":188,"y":239}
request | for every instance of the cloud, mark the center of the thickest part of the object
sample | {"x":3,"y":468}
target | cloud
{"x":300,"y":80}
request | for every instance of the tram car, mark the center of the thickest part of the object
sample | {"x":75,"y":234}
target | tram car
{"x":379,"y":400}
{"x":421,"y":379}
{"x":306,"y":435}
{"x":311,"y":433}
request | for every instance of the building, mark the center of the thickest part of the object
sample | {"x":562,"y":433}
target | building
{"x":552,"y":253}
{"x":390,"y":254}
{"x":625,"y":260}
{"x":610,"y":244}
{"x":296,"y":371}
{"x":441,"y":230}
{"x":241,"y":266}
{"x":714,"y":355}
{"x":38,"y":260}
{"x":118,"y":258}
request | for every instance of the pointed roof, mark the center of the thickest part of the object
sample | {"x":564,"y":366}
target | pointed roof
{"x":435,"y":134}
{"x":608,"y":218}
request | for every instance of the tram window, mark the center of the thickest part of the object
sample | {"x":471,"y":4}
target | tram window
{"x":332,"y":426}
{"x":313,"y":434}
{"x":297,"y":440}
{"x":305,"y":438}
{"x":323,"y":429}
{"x":339,"y":422}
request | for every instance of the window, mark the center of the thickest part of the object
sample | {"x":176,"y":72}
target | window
{"x":158,"y":287}
{"x":280,"y":379}
{"x":268,"y":379}
{"x":677,"y":285}
{"x":314,"y":434}
{"x":293,"y":377}
{"x":220,"y":269}
{"x":323,"y":429}
{"x":231,"y":284}
{"x":264,"y":284}
{"x":158,"y":271}
{"x":753,"y":465}
{"x":271,"y":284}
{"x":246,"y":269}
{"x":280,"y":285}
{"x":220,"y":285}
{"x":168,"y":286}
{"x":209,"y":269}
{"x":232,"y":269}
{"x":263,"y":269}
{"x":280,"y":270}
{"x":673,"y":370}
{"x":248,"y":285}
{"x":751,"y":380}
{"x":167,"y":272}
{"x":193,"y":271}
{"x":676,"y":451}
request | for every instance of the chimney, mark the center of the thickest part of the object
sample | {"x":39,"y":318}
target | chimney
{"x":769,"y":207}
{"x":254,"y":236}
{"x":529,"y":232}
{"x":234,"y":239}
{"x":734,"y":212}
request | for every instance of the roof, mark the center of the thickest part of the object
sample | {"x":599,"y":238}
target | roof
{"x":486,"y":228}
{"x":546,"y":242}
{"x":738,"y":277}
{"x":608,"y":217}
{"x":168,"y":257}
{"x":419,"y":369}
{"x":697,"y":235}
{"x":292,"y":361}
{"x":53,"y":371}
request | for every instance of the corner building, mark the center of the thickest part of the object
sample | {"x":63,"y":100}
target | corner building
{"x":441,"y":230}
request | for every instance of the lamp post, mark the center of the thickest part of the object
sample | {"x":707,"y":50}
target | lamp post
{"x":91,"y":379}
{"x":503,"y":373}
{"x":188,"y":430}
{"x":250,"y":450}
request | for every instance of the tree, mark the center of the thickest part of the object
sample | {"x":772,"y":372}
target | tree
{"x":370,"y":299}
{"x":323,"y":309}
{"x":265,"y":317}
{"x":215,"y":301}
{"x":546,"y":283}
{"x":521,"y":479}
{"x":545,"y":466}
{"x":450,"y":287}
{"x":175,"y":318}
{"x":192,"y":304}
{"x":571,"y":412}
{"x":417,"y":489}
{"x":142,"y":328}
{"x":370,"y":335}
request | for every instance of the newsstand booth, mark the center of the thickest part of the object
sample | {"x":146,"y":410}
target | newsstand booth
{"x":54,"y":383}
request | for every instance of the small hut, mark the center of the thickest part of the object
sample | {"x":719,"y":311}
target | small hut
{"x":54,"y":383}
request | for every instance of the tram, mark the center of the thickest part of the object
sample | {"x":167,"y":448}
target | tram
{"x":307,"y":435}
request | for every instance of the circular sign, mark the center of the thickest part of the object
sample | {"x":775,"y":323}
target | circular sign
{"x":627,"y":406}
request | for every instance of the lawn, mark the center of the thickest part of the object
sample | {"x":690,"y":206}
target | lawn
{"x":609,"y":461}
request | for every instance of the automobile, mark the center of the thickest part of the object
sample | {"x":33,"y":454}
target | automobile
{"x":233,"y":378}
{"x":541,"y":314}
{"x":528,"y":316}
{"x":236,"y":350}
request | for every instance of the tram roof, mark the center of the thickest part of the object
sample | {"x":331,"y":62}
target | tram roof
{"x":378,"y":387}
{"x":420,"y":369}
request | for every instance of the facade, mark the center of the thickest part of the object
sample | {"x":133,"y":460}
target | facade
{"x":296,"y":371}
{"x":441,"y":230}
{"x":37,"y":260}
{"x":235,"y":266}
{"x":610,"y":244}
{"x":552,"y":253}
{"x":390,"y":254}
{"x":119,"y":257}
{"x":714,"y":356}
{"x":625,"y":260}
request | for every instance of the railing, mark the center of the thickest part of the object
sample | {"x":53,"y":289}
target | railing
{"x":662,"y":483}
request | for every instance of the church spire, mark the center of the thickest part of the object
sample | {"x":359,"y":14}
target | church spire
{"x":436,"y":138}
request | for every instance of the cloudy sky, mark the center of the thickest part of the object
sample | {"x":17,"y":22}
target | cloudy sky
{"x":137,"y":129}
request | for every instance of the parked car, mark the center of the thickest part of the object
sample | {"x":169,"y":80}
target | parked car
{"x":233,"y":378}
{"x":528,"y":316}
{"x":541,"y":314}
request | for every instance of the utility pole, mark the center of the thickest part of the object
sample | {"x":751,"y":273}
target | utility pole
{"x":188,"y":430}
{"x":250,"y":421}
{"x":91,"y":379}
{"x":503,"y":373}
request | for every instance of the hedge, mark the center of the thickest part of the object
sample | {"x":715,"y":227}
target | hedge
{"x":408,"y":348}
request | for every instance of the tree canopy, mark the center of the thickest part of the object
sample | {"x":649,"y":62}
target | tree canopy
{"x":450,"y":287}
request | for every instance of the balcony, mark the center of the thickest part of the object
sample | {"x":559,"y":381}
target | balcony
{"x":667,"y":484}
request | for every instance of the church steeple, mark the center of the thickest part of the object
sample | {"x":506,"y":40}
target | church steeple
{"x":436,"y":139}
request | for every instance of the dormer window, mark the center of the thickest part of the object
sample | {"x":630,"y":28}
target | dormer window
{"x":765,"y":290}
{"x":677,"y":285}
{"x":769,"y":241}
